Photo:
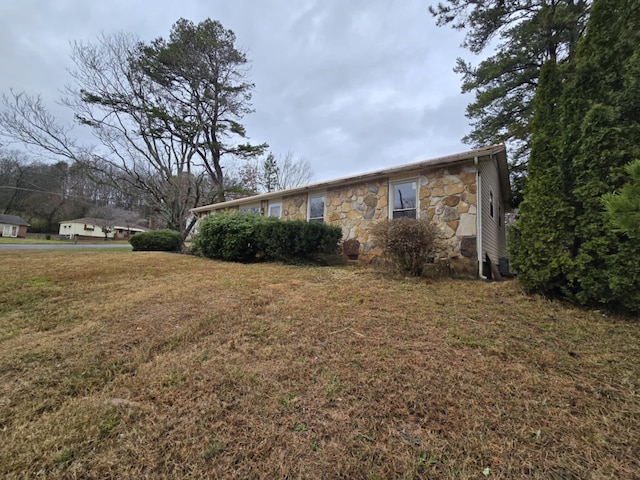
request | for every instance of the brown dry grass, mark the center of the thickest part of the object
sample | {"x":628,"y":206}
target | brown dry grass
{"x":150,"y":365}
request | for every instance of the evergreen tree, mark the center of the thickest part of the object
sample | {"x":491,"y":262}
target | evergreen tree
{"x":540,"y":242}
{"x":623,"y":207}
{"x":270,"y":173}
{"x":529,"y":32}
{"x":602,"y":136}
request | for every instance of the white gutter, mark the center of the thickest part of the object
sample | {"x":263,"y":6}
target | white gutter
{"x":478,"y":217}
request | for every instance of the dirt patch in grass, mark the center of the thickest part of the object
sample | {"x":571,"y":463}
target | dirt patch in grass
{"x":133,"y":365}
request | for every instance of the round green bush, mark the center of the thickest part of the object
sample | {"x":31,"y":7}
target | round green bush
{"x":157,"y":241}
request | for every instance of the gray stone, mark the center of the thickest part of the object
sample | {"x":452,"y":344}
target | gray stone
{"x":368,"y":215}
{"x":449,"y":214}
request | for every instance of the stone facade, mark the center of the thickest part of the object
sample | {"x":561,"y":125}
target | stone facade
{"x":447,"y":196}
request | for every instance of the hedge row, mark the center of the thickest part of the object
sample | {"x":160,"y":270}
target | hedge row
{"x":157,"y":240}
{"x":250,"y":238}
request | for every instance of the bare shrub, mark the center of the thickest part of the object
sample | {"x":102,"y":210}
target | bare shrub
{"x":408,"y":243}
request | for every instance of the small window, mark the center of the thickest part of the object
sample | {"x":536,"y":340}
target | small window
{"x":500,"y":216}
{"x":316,"y":208}
{"x":405,"y":199}
{"x":251,"y":209}
{"x":490,"y":203}
{"x":275,"y":209}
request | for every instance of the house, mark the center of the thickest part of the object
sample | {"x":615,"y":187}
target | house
{"x":13,"y":226}
{"x":465,"y":195}
{"x":88,"y":227}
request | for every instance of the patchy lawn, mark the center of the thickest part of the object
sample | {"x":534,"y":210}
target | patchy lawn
{"x":134,"y":365}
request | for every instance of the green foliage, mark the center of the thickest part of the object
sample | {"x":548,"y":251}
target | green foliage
{"x":601,"y":140}
{"x":230,"y":237}
{"x":249,"y":238}
{"x":269,"y":173}
{"x":530,"y":32}
{"x":409,"y":243}
{"x":540,"y":243}
{"x":623,"y":207}
{"x":157,"y":240}
{"x":565,"y":242}
{"x":204,"y":93}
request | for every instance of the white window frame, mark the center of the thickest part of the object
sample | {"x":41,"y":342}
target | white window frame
{"x":392,"y":185}
{"x":9,"y":231}
{"x":324,"y":207}
{"x":252,"y":209}
{"x":273,"y":205}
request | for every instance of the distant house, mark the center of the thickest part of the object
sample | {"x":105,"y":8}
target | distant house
{"x":87,"y":228}
{"x":13,"y":226}
{"x":464,"y":194}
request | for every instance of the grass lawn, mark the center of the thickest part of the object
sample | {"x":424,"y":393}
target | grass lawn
{"x":151,"y":365}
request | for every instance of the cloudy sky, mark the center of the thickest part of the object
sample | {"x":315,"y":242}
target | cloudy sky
{"x":350,"y":85}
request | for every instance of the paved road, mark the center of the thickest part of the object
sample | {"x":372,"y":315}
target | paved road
{"x":60,"y":246}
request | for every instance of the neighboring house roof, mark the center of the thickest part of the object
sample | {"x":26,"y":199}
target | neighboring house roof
{"x":91,"y":220}
{"x":12,"y":220}
{"x":498,"y":151}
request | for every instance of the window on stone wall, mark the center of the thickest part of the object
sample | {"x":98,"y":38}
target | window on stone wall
{"x":316,"y":208}
{"x":251,"y":209}
{"x":275,"y":209}
{"x":405,"y":199}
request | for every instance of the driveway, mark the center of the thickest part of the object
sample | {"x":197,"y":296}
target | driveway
{"x":60,"y":246}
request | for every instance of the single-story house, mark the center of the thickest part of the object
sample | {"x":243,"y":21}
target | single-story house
{"x":465,"y":195}
{"x":86,"y":228}
{"x":13,"y":226}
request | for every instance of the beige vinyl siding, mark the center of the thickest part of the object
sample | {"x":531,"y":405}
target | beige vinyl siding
{"x":494,"y":242}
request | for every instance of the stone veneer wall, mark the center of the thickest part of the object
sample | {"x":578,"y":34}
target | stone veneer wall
{"x":447,"y":196}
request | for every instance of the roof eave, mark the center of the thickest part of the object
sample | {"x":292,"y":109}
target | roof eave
{"x":434,"y":162}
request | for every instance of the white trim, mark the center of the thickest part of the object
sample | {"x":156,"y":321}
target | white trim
{"x":391,"y":201}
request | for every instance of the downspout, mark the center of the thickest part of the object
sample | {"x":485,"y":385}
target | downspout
{"x":478,"y":218}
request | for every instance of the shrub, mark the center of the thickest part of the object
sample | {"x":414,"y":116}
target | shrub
{"x":296,"y":240}
{"x":230,"y":237}
{"x":408,"y":243}
{"x":247,"y":238}
{"x":157,"y":240}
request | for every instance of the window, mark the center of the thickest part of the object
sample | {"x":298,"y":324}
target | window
{"x":490,"y":203}
{"x":9,"y":231}
{"x":316,"y":208}
{"x":251,"y":209}
{"x":404,"y":199}
{"x":275,"y":209}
